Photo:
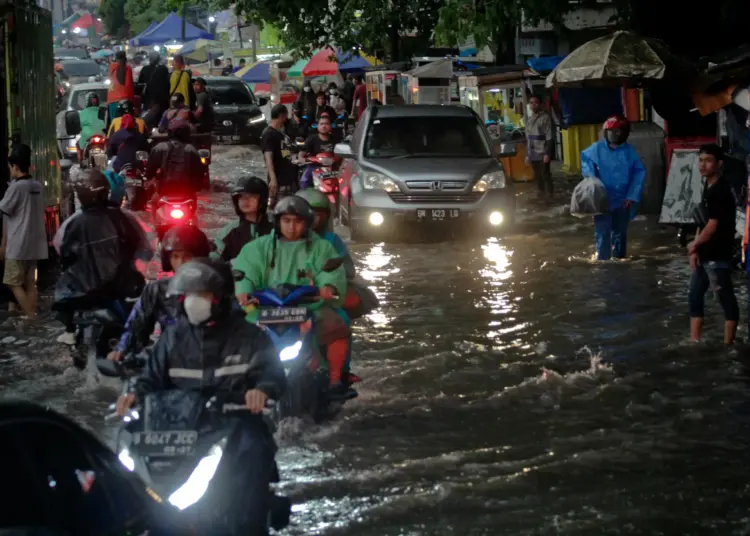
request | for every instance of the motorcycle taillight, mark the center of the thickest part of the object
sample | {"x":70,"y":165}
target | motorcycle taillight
{"x":176,"y":213}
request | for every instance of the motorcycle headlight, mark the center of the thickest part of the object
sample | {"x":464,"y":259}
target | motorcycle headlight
{"x":257,"y":119}
{"x":490,"y":181}
{"x":372,"y":180}
{"x":197,"y":483}
{"x":290,"y":352}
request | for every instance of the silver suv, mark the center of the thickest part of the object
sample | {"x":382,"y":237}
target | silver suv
{"x":426,"y":165}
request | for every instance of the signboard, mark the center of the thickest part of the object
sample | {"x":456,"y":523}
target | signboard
{"x":684,"y":188}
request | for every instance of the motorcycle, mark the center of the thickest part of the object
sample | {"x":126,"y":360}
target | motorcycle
{"x":136,"y":192}
{"x":326,"y":176}
{"x":187,"y":447}
{"x":173,"y":211}
{"x":205,"y":155}
{"x":95,"y":153}
{"x":282,"y":314}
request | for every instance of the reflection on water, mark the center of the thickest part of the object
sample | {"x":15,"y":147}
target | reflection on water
{"x":378,"y":267}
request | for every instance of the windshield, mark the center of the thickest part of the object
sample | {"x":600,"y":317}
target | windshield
{"x":230,"y":94}
{"x":78,"y":98}
{"x":81,"y":68}
{"x":416,"y":137}
{"x":71,"y":53}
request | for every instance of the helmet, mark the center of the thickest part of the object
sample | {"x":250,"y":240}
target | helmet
{"x":296,"y":206}
{"x":318,"y":201}
{"x":183,"y":238}
{"x":92,"y":99}
{"x":616,"y":129}
{"x":251,"y":185}
{"x":176,"y":100}
{"x":92,"y":188}
{"x":202,"y":275}
{"x":125,"y":107}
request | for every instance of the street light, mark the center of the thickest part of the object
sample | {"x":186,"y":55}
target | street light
{"x":157,"y":48}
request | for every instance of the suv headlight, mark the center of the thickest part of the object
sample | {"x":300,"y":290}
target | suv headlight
{"x":490,"y":181}
{"x":257,"y":119}
{"x":372,"y":180}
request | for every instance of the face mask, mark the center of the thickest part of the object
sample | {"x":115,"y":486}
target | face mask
{"x":307,"y":89}
{"x":197,"y":309}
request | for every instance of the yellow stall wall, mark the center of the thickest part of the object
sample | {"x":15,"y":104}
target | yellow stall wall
{"x":574,"y":140}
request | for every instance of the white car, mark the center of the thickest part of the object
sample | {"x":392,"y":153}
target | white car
{"x":75,"y":100}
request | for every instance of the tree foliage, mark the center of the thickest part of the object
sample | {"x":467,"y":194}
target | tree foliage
{"x":307,"y":25}
{"x":112,"y":13}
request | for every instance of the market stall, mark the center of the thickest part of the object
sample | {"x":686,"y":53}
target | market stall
{"x":499,"y":96}
{"x":429,"y":83}
{"x":385,"y":81}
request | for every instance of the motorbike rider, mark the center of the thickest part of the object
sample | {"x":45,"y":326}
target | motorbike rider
{"x":180,"y":245}
{"x":90,"y":122}
{"x":307,"y":99}
{"x":211,"y":350}
{"x":204,"y":112}
{"x":322,"y":107}
{"x":294,"y":254}
{"x":175,"y":163}
{"x":320,"y":142}
{"x":177,"y":110}
{"x":98,"y":247}
{"x":125,"y":143}
{"x":125,"y":107}
{"x":250,"y":200}
{"x":297,"y":127}
{"x":154,"y":81}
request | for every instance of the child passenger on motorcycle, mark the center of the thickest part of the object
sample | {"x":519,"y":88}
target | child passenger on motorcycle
{"x":180,"y":245}
{"x":294,"y":254}
{"x":250,"y":200}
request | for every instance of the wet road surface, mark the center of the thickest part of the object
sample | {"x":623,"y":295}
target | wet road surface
{"x":511,"y":387}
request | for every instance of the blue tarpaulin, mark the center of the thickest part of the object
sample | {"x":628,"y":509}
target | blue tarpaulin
{"x":350,"y":63}
{"x":258,"y":74}
{"x":544,"y":65}
{"x":586,"y":106}
{"x":170,"y":29}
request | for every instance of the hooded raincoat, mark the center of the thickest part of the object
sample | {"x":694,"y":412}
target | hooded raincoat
{"x":90,"y":125}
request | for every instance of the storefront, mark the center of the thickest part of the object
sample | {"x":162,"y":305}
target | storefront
{"x":383,"y":85}
{"x":499,"y":95}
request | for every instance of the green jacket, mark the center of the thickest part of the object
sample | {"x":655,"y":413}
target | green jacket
{"x":90,"y":124}
{"x":291,"y":258}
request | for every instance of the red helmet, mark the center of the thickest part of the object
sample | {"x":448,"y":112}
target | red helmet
{"x":616,"y":129}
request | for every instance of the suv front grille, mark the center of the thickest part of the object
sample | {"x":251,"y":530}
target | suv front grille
{"x":442,"y":197}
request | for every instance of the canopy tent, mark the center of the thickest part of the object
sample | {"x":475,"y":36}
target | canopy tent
{"x":202,"y":50}
{"x":240,"y":72}
{"x":323,"y":63}
{"x":350,"y":63}
{"x":170,"y":29}
{"x":144,"y":32}
{"x":260,"y":87}
{"x":295,"y":71}
{"x":260,"y":73}
{"x":86,"y":21}
{"x":437,"y":69}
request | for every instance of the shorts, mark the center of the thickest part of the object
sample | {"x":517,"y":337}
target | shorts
{"x":19,"y":273}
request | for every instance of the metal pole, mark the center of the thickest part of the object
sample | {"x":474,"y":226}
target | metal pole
{"x":184,"y":12}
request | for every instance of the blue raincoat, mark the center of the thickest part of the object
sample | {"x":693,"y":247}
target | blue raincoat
{"x":623,"y":174}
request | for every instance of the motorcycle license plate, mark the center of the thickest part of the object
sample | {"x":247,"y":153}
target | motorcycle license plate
{"x":438,"y":214}
{"x":285,"y":315}
{"x":134,"y":182}
{"x":172,"y":443}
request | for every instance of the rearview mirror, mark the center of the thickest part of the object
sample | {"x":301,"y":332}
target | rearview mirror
{"x":72,"y":123}
{"x":343,"y":149}
{"x":66,"y":164}
{"x":238,"y":275}
{"x":507,"y":149}
{"x":141,"y":155}
{"x":262,"y":101}
{"x":102,"y":113}
{"x":111,"y":369}
{"x":332,"y":265}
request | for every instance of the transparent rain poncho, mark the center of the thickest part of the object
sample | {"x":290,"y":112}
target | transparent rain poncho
{"x":589,"y":198}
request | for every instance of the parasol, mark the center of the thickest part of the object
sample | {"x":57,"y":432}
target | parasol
{"x":613,"y":60}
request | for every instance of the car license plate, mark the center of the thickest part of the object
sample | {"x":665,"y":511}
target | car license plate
{"x":172,"y":443}
{"x":134,"y":182}
{"x":438,"y":214}
{"x":285,"y":315}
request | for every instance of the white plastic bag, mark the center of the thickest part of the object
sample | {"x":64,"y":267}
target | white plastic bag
{"x":589,"y":198}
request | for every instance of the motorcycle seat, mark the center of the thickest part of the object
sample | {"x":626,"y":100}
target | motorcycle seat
{"x":175,"y":200}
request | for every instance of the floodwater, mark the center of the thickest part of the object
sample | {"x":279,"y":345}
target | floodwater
{"x":511,"y":387}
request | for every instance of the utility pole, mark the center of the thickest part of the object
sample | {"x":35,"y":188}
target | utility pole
{"x":255,"y":32}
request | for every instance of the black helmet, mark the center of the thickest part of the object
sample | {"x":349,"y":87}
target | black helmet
{"x":200,"y":275}
{"x":176,"y":100}
{"x":183,"y":238}
{"x":296,"y":206}
{"x":92,"y":188}
{"x":125,"y":107}
{"x":92,"y":99}
{"x":251,"y":185}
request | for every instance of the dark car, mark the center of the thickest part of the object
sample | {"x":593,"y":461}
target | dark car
{"x":80,"y":71}
{"x":62,"y":481}
{"x":80,"y":53}
{"x":237,"y":114}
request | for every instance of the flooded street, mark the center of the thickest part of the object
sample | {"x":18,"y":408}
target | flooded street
{"x":511,"y":387}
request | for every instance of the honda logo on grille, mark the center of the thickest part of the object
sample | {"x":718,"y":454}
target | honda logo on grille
{"x":436,"y":185}
{"x":227,"y":123}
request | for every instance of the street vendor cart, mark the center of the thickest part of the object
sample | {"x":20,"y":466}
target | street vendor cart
{"x":499,"y":96}
{"x":384,"y":81}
